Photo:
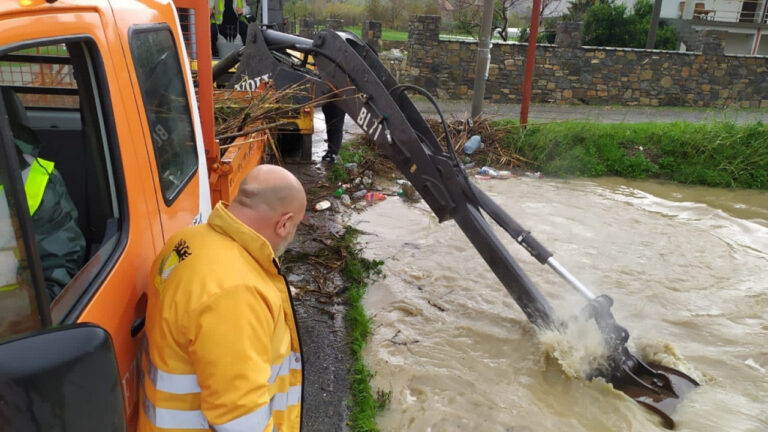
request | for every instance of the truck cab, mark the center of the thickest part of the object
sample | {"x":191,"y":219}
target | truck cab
{"x":97,"y":97}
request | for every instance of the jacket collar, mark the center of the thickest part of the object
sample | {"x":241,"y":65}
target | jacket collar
{"x":258,"y":247}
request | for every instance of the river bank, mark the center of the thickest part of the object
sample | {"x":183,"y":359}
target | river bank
{"x":719,"y":154}
{"x":328,"y":275}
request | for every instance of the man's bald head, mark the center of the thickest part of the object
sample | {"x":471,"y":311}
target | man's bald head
{"x":271,"y":201}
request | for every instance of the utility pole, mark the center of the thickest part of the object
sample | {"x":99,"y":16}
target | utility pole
{"x":483,"y":58}
{"x":530,"y":61}
{"x":651,"y":41}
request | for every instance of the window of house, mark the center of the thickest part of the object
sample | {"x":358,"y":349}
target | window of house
{"x":165,"y":98}
{"x":59,"y":121}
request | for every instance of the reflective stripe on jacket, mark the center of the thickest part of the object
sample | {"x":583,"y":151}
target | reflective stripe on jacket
{"x":223,"y":350}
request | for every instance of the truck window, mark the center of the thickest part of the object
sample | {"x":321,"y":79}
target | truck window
{"x":56,"y":115}
{"x":18,"y":307}
{"x":164,"y":92}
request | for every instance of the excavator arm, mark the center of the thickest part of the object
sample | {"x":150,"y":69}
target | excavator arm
{"x":347,"y":72}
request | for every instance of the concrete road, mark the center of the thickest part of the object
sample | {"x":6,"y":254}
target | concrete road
{"x":608,"y":114}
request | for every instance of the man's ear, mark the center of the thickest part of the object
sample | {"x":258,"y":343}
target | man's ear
{"x":283,"y":227}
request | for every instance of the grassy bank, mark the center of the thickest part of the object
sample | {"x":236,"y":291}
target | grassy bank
{"x":357,"y":271}
{"x":363,"y":402}
{"x":719,"y":154}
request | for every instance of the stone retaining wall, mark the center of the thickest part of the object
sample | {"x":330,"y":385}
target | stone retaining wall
{"x":570,"y":73}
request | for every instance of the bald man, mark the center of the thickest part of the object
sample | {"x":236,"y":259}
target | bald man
{"x":223,"y":350}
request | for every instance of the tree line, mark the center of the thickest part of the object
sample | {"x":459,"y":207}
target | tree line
{"x":606,"y":22}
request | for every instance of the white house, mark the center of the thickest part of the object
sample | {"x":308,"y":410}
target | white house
{"x":745,"y":21}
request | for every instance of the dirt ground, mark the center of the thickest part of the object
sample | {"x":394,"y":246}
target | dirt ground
{"x":319,"y":306}
{"x":319,"y":302}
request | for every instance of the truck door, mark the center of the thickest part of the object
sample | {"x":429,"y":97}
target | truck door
{"x":64,"y":378}
{"x":69,"y":104}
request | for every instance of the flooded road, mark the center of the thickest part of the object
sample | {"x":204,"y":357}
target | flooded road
{"x":686,"y":266}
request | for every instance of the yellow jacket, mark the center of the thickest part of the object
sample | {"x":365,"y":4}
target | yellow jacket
{"x":223,"y":350}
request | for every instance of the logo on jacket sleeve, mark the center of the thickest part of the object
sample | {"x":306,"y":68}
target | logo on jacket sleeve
{"x":179,"y":253}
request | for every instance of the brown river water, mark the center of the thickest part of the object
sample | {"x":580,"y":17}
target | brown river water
{"x":686,"y":266}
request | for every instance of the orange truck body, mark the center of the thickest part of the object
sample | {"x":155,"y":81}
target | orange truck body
{"x":120,"y":299}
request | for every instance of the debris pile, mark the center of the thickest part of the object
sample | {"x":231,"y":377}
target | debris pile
{"x":495,"y":150}
{"x":244,"y":113}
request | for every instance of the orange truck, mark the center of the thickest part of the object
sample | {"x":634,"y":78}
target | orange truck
{"x":104,"y":91}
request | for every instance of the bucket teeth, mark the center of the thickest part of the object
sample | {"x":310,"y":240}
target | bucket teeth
{"x":661,"y":390}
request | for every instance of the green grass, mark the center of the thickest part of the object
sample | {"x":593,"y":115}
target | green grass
{"x":357,"y":271}
{"x":720,"y":154}
{"x":352,"y":151}
{"x":386,"y":34}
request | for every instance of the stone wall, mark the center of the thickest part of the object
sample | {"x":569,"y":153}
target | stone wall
{"x":570,"y":73}
{"x":371,"y":34}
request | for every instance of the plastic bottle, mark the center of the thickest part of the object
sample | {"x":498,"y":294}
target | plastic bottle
{"x":472,"y":144}
{"x":488,"y":171}
{"x":339,"y":192}
{"x":359,"y":194}
{"x":346,"y":200}
{"x":375,"y":196}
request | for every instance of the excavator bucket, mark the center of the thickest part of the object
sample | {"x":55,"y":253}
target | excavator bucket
{"x":656,"y":387}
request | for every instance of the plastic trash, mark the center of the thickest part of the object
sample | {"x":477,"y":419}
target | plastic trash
{"x":359,"y":194}
{"x":346,"y":200}
{"x":536,"y":175}
{"x":488,"y":171}
{"x":472,"y":144}
{"x":402,"y":182}
{"x":350,"y":166}
{"x":339,"y":192}
{"x":375,"y":196}
{"x":322,"y":205}
{"x":505,"y":174}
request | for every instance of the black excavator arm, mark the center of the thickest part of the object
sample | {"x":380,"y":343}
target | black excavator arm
{"x":347,"y":72}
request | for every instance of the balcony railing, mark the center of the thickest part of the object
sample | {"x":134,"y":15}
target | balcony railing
{"x":729,"y":11}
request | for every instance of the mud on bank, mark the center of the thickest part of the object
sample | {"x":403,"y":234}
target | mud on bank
{"x":328,"y":277}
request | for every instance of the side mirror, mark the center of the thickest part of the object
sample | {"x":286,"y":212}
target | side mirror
{"x":61,"y":379}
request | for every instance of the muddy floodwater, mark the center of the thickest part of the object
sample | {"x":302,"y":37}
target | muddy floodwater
{"x":686,"y":266}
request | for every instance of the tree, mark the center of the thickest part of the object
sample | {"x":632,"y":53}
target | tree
{"x":576,"y":10}
{"x":612,"y":24}
{"x":501,"y":16}
{"x":374,"y":9}
{"x":395,"y":10}
{"x":466,"y":16}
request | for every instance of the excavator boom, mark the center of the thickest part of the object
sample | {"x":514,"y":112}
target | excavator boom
{"x":347,"y":72}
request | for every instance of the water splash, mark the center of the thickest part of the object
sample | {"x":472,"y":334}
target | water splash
{"x":579,"y":349}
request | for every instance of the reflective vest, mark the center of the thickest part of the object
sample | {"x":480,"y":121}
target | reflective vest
{"x":222,"y":348}
{"x":217,"y":15}
{"x":35,"y":178}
